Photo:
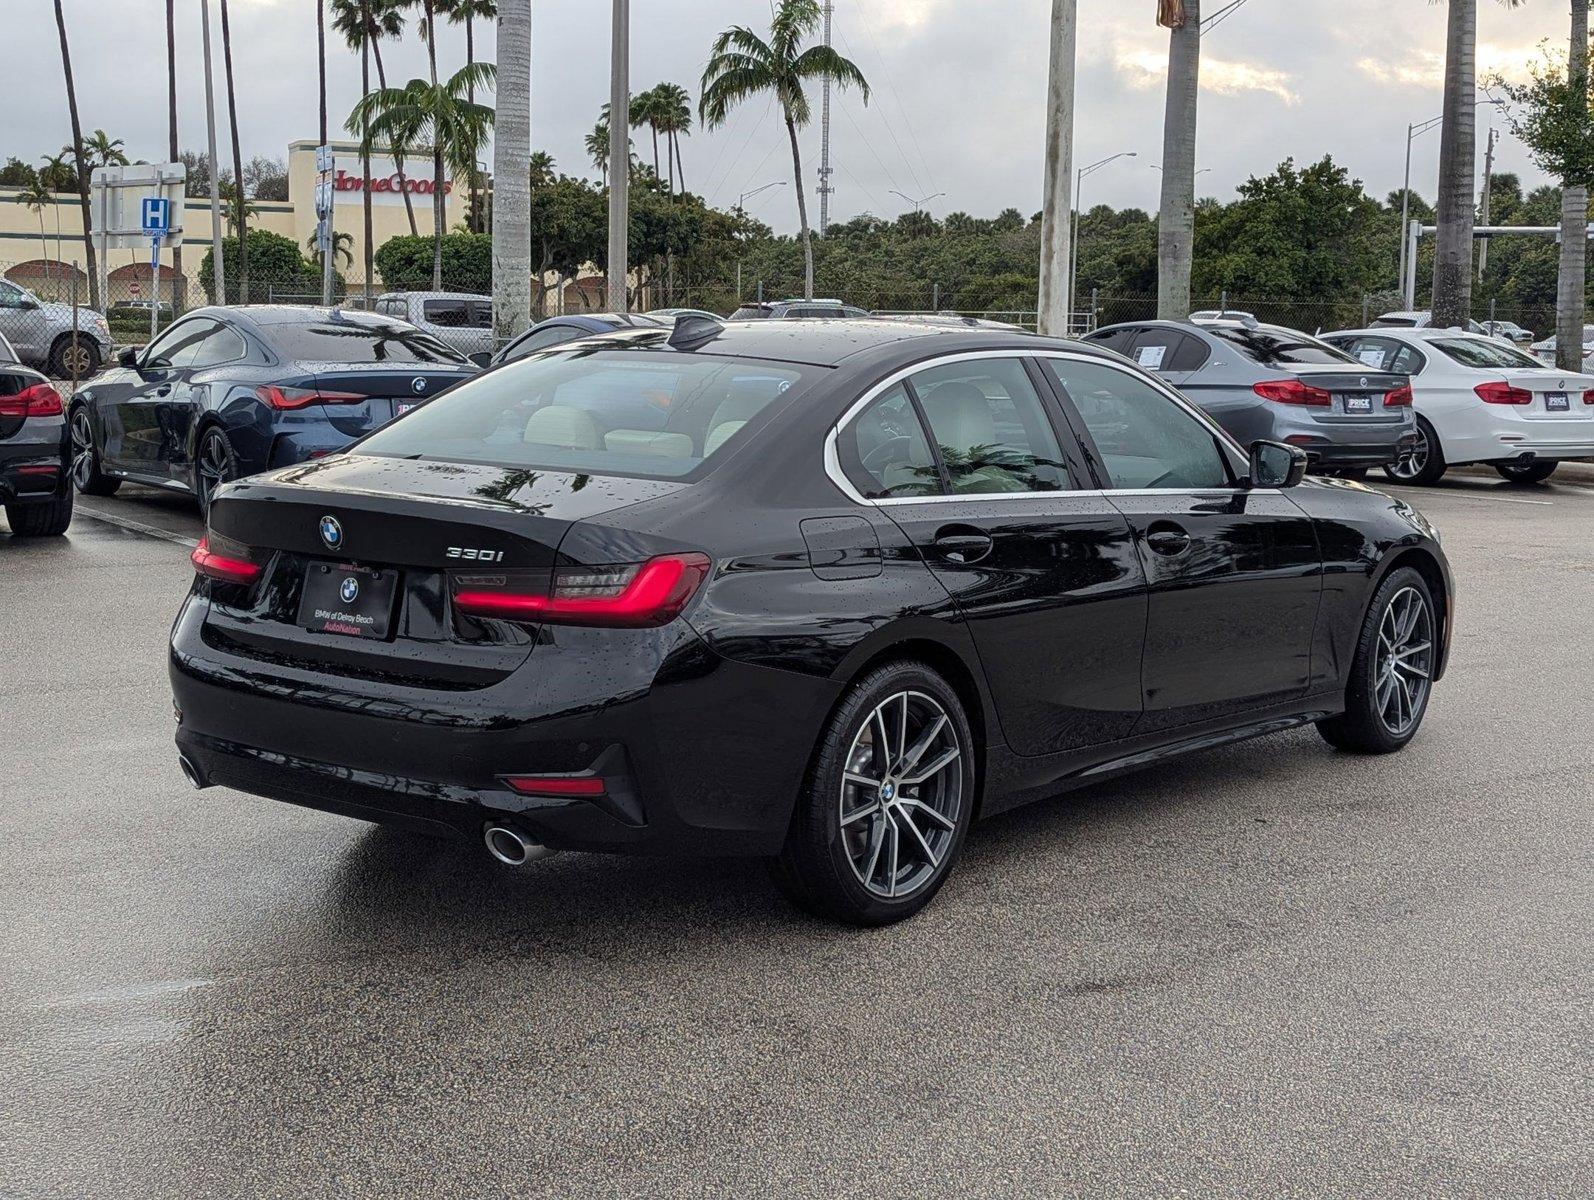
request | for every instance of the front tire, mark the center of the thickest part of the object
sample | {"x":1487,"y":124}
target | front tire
{"x":887,"y":803}
{"x":1392,"y":674}
{"x":1426,"y":466}
{"x":86,"y":474}
{"x":1528,"y":473}
{"x":74,"y":351}
{"x":48,"y":518}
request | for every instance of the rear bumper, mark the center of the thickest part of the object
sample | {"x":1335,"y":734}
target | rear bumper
{"x":1326,"y":452}
{"x":703,"y":755}
{"x":33,"y":463}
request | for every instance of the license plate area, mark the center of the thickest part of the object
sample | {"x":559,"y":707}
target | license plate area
{"x":1557,"y":402}
{"x":348,"y":601}
{"x":1358,"y":404}
{"x":400,"y":407}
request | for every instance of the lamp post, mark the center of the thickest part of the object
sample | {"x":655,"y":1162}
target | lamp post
{"x":918,"y":205}
{"x":740,"y":212}
{"x":1413,"y":132}
{"x":1079,"y":214}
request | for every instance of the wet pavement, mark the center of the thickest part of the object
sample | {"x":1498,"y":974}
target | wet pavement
{"x":1269,"y":970}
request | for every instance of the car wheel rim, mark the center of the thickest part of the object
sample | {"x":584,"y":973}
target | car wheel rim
{"x":1404,"y":662}
{"x":1418,"y":462}
{"x":902,"y":795}
{"x":82,"y":450}
{"x":215,"y":466}
{"x":76,"y":359}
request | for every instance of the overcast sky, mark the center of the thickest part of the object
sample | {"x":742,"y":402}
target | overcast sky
{"x":957,"y":106}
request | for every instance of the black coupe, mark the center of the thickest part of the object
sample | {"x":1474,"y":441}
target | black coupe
{"x":822,"y":592}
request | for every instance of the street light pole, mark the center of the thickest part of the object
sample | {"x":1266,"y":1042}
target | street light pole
{"x":217,"y":273}
{"x":619,"y":155}
{"x":1413,"y":132}
{"x":918,"y":205}
{"x":742,"y":212}
{"x":1079,"y":219}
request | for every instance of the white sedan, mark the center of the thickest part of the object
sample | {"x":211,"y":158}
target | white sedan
{"x":1478,"y":400}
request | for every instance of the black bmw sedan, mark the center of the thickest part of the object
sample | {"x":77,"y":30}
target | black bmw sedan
{"x":227,"y":392}
{"x":820,"y":592}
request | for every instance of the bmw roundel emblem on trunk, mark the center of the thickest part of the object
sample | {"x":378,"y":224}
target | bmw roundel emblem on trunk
{"x":349,"y":590}
{"x":418,"y":385}
{"x":331,"y":532}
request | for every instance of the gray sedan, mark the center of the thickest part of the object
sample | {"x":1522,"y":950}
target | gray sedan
{"x":1267,"y":382}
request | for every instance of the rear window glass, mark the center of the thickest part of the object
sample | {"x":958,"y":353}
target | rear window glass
{"x":1395,"y":323}
{"x":749,"y":312}
{"x":601,"y":412}
{"x":1475,"y":352}
{"x":459,"y":314}
{"x":1275,"y":346}
{"x":361,"y":339}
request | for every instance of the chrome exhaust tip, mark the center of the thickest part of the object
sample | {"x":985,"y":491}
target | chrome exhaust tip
{"x":512,"y":847}
{"x":192,"y":773}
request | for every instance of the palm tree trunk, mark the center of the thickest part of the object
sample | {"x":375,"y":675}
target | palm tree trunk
{"x":398,"y":157}
{"x":802,"y":209}
{"x":1176,"y":224}
{"x":1051,"y":304}
{"x":365,"y":166}
{"x":179,"y":284}
{"x":239,"y":207}
{"x":678,"y":174}
{"x":656,"y":173}
{"x":82,"y":163}
{"x":511,"y":229}
{"x":1452,"y":269}
{"x":1573,"y":275}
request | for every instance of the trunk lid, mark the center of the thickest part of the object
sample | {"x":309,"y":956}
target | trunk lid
{"x":1551,"y":390}
{"x":399,"y":529}
{"x":1358,"y":394}
{"x":389,"y":391}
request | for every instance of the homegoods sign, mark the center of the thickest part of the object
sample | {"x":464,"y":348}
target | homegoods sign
{"x":343,"y":181}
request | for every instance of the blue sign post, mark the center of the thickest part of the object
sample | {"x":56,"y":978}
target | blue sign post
{"x":155,"y":217}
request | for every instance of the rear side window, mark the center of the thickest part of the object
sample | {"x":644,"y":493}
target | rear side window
{"x":1168,"y":350}
{"x":884,"y":451}
{"x":1275,"y":346}
{"x":1143,"y":438}
{"x":599,"y":412}
{"x":345,"y":338}
{"x":990,"y":428}
{"x":1115,"y":339}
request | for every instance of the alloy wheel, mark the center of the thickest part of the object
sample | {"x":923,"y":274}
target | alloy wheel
{"x":1404,"y":661}
{"x":1410,"y":468}
{"x":902,"y":794}
{"x":215,"y":465}
{"x":77,"y":359}
{"x":82,"y":449}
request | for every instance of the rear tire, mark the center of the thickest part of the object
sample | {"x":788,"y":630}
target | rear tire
{"x":887,"y":803}
{"x":1426,"y":466}
{"x":47,"y":519}
{"x":86,"y":474}
{"x":1391,"y":677}
{"x":1533,"y":472}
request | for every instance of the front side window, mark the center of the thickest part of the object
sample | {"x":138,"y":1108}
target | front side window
{"x":1144,"y":439}
{"x":1475,"y":352}
{"x":990,"y":428}
{"x":176,"y":348}
{"x":10,"y":295}
{"x":596,"y":412}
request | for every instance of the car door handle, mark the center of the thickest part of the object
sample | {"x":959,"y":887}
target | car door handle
{"x":1164,"y":537}
{"x":962,"y":544}
{"x":165,"y":389}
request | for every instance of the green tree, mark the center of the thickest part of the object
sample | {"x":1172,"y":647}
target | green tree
{"x":280,"y":268}
{"x":467,"y":13}
{"x":743,"y":65}
{"x":364,"y":25}
{"x":673,"y":117}
{"x":36,"y":196}
{"x":411,"y":262}
{"x":80,"y":160}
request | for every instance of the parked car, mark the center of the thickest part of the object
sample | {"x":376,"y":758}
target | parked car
{"x":1222,"y":314}
{"x":1266,"y":381}
{"x":43,"y":335}
{"x":1417,"y":320}
{"x":788,"y":309}
{"x":1545,"y":350}
{"x":1479,"y":401}
{"x":226,"y":392}
{"x":845,"y":587}
{"x":558,"y":330}
{"x":33,"y":464}
{"x":141,"y":308}
{"x":1510,"y":330}
{"x":675,"y":314}
{"x":458,"y":319}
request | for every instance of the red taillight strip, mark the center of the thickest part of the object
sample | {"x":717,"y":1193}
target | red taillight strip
{"x":221,"y":567}
{"x":288,"y":398}
{"x":1292,"y":391}
{"x":659,"y":592}
{"x":1399,"y":398}
{"x":40,"y":400}
{"x":1500,"y":392}
{"x":556,"y":785}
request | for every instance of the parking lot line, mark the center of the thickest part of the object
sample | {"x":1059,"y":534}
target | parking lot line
{"x":138,"y":527}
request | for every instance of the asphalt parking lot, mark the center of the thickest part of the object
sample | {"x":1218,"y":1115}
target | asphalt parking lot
{"x":1271,"y":970}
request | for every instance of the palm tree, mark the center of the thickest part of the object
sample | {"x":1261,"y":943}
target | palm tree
{"x":438,"y":114}
{"x":645,"y":111}
{"x":742,"y":65}
{"x":597,"y":145}
{"x":1573,"y":275}
{"x":104,"y":150}
{"x":364,"y":25}
{"x":466,"y":12}
{"x":1452,"y":269}
{"x":36,"y":196}
{"x":80,"y":157}
{"x":514,"y":167}
{"x":178,"y":286}
{"x":242,"y":207}
{"x":57,"y":175}
{"x":674,"y":119}
{"x":342,"y":246}
{"x":1176,"y":222}
{"x":354,"y":19}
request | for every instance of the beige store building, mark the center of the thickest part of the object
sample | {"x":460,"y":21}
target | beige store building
{"x":47,"y":262}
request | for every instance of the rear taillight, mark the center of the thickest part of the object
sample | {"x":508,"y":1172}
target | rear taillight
{"x":40,"y":400}
{"x":1399,"y":398}
{"x":1500,"y":392}
{"x":1588,"y":397}
{"x":637,"y":595}
{"x":289,"y":398}
{"x":227,"y":564}
{"x":1293,"y":391}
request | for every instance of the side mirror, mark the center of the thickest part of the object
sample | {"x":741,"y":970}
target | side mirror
{"x":1275,"y":465}
{"x":27,"y":304}
{"x":128,"y":357}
